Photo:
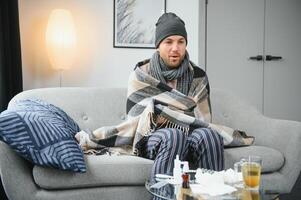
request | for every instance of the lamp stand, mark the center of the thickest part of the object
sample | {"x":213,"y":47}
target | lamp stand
{"x":61,"y":74}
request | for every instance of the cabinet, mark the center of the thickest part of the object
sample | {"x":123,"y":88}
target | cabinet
{"x":253,"y":49}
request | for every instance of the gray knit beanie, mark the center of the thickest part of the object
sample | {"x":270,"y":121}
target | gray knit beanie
{"x":169,"y":24}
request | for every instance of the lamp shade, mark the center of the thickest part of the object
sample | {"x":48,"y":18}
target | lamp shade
{"x":61,"y":39}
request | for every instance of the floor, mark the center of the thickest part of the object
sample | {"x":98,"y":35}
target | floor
{"x":2,"y":193}
{"x":294,"y":195}
{"x":296,"y":192}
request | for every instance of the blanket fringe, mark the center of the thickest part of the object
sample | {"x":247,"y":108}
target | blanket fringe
{"x":170,"y":124}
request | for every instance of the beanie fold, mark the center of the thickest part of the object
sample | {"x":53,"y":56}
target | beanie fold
{"x":169,"y":24}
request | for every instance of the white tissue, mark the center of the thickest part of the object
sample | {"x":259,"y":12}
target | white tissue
{"x":215,"y":183}
{"x":232,"y":177}
{"x":205,"y":178}
{"x":212,"y":190}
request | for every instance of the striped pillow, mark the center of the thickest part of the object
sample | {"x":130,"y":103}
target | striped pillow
{"x":43,"y":134}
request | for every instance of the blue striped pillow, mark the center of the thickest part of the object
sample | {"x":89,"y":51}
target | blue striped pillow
{"x":43,"y":134}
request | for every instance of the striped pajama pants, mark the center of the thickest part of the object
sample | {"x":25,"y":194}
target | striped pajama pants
{"x":203,"y":148}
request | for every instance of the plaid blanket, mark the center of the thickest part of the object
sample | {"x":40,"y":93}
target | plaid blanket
{"x":152,"y":105}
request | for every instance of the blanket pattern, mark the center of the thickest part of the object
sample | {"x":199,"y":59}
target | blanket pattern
{"x":151,"y":105}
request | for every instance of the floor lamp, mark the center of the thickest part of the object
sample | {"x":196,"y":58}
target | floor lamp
{"x":61,"y":40}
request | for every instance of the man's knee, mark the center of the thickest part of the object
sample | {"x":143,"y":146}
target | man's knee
{"x":202,"y":132}
{"x":170,"y":133}
{"x":205,"y":134}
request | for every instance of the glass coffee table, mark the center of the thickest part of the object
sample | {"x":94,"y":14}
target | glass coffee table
{"x":176,"y":192}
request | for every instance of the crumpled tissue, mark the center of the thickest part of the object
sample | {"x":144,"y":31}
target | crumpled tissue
{"x":215,"y":183}
{"x":231,"y":177}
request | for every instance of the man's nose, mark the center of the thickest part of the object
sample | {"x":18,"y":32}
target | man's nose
{"x":175,"y":47}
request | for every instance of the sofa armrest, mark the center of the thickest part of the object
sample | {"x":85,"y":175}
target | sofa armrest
{"x":282,"y":135}
{"x":16,"y":174}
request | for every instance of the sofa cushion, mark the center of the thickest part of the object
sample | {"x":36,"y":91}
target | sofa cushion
{"x":102,"y":170}
{"x":272,"y":160}
{"x":43,"y":134}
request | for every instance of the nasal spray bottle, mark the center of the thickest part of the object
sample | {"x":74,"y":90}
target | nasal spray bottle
{"x":177,"y":171}
{"x":180,"y":173}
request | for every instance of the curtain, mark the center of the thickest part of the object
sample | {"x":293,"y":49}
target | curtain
{"x":10,"y":52}
{"x":10,"y":57}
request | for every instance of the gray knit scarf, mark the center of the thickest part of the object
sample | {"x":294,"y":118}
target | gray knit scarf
{"x":160,"y":71}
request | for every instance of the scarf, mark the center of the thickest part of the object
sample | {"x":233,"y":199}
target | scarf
{"x":160,"y":71}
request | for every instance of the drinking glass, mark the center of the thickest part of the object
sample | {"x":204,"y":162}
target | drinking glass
{"x":250,"y":167}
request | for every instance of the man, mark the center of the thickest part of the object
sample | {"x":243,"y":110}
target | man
{"x":168,"y":110}
{"x":170,"y":65}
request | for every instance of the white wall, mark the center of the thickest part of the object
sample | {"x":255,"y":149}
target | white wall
{"x":97,"y":62}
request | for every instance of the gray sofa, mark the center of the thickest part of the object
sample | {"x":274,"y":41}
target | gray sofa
{"x":123,"y":177}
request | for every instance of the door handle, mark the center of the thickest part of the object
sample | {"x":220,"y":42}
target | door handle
{"x":258,"y":57}
{"x":269,"y":57}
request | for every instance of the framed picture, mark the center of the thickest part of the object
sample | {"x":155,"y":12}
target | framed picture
{"x":135,"y":22}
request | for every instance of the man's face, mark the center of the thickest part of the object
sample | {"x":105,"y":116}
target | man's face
{"x":172,"y":50}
